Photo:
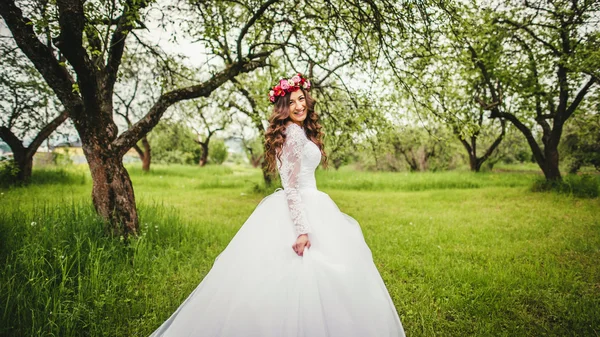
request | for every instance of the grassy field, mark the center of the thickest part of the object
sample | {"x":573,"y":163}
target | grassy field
{"x":462,"y":254}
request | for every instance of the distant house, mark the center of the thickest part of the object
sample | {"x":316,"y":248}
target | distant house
{"x":74,"y":143}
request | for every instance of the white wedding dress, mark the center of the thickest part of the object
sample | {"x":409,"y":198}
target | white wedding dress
{"x":259,"y":287}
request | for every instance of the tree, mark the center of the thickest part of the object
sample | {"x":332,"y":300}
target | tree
{"x":345,"y":115}
{"x":79,"y":55}
{"x":212,"y":118}
{"x":443,"y":82}
{"x":138,"y":87}
{"x":545,"y":63}
{"x":422,"y":149}
{"x":28,"y":109}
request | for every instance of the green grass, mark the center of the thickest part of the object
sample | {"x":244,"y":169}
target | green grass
{"x":462,"y":254}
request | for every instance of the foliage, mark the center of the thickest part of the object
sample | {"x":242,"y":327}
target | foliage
{"x":527,"y":63}
{"x":346,"y":116}
{"x":581,"y":144}
{"x":217,"y":153}
{"x":173,"y":143}
{"x":254,"y":149}
{"x":513,"y":150}
{"x":409,"y":148}
{"x":581,"y":186}
{"x":443,"y":84}
{"x":62,"y":157}
{"x":27,"y":103}
{"x":8,"y":171}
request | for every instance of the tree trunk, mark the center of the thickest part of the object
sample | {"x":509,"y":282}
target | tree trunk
{"x":147,"y":155}
{"x":204,"y":155}
{"x":337,"y":163}
{"x":550,"y":167}
{"x":112,"y":192}
{"x":24,"y":162}
{"x":474,"y":163}
{"x":25,"y":168}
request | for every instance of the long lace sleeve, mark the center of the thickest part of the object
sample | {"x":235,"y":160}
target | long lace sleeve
{"x":289,"y":172}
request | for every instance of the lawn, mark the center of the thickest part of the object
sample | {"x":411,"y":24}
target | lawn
{"x":462,"y":254}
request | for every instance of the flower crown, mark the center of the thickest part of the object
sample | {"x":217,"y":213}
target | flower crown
{"x":288,"y":85}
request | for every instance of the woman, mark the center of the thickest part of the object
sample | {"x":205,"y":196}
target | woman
{"x":325,"y":285}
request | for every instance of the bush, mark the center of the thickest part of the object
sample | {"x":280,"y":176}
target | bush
{"x":62,"y":158}
{"x":173,"y":143}
{"x":217,"y":152}
{"x":583,"y":186}
{"x":8,"y":171}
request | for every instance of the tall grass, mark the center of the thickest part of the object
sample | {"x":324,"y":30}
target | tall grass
{"x":61,"y":276}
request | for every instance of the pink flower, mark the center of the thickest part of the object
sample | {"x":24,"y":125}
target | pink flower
{"x":272,"y":99}
{"x":284,"y":84}
{"x":296,"y":79}
{"x":291,"y":83}
{"x":306,"y":85}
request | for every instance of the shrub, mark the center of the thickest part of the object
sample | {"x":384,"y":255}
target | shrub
{"x":581,"y":186}
{"x":8,"y":171}
{"x":217,"y":152}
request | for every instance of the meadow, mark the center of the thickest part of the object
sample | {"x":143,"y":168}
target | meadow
{"x":461,"y":254}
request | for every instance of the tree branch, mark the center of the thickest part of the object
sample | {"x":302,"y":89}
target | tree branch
{"x":46,"y":131}
{"x":249,"y":24}
{"x":495,"y":144}
{"x":126,"y":140}
{"x":11,"y":139}
{"x":40,"y":55}
{"x":117,"y":42}
{"x":70,"y":42}
{"x":552,"y":48}
{"x":535,"y":148}
{"x":580,"y":95}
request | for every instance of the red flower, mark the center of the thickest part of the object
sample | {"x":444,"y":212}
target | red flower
{"x":278,"y":91}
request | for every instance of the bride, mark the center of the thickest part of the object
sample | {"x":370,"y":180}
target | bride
{"x":298,"y":266}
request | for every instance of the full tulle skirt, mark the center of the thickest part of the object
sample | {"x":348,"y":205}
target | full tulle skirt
{"x":259,"y":287}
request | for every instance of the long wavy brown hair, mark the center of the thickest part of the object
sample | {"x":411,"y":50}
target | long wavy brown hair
{"x":275,"y":136}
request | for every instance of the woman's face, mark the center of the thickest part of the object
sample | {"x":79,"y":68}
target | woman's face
{"x":297,"y":106}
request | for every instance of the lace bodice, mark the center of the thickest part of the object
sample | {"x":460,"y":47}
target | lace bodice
{"x":299,"y":159}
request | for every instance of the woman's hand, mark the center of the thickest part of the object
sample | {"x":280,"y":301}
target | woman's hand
{"x":301,"y":243}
